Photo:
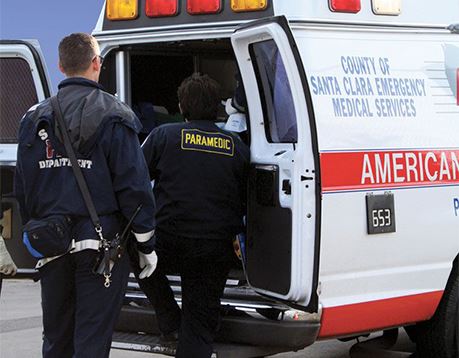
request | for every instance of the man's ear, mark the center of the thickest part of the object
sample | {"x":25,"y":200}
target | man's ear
{"x":95,"y":65}
{"x":61,"y":68}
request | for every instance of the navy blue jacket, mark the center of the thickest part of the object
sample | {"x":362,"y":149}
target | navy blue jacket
{"x":200,"y":174}
{"x":103,"y":132}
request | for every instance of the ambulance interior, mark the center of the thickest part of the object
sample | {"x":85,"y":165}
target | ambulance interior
{"x":157,"y":70}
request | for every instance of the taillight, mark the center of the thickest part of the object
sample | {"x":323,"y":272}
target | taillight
{"x":345,"y":5}
{"x":248,"y":5}
{"x":196,"y":7}
{"x":157,"y":8}
{"x":122,"y":9}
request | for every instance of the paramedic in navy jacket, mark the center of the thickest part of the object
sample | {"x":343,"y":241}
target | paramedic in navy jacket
{"x":79,"y":313}
{"x":200,"y":175}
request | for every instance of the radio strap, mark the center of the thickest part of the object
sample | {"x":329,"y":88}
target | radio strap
{"x":83,"y":187}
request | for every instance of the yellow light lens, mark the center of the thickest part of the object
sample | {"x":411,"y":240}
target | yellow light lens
{"x":122,"y":9}
{"x":248,"y":5}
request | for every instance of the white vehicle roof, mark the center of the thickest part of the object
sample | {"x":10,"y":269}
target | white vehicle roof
{"x":412,"y":13}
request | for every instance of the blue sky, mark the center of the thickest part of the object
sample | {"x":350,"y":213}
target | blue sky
{"x":48,"y":21}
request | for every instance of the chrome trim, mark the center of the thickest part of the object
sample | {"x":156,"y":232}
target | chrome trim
{"x":368,"y":23}
{"x":121,"y":79}
{"x":368,"y":27}
{"x":239,"y":305}
{"x":207,"y":25}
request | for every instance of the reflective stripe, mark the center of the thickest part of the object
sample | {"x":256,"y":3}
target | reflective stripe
{"x":75,"y":246}
{"x":44,"y":261}
{"x":85,"y":244}
{"x":144,"y":237}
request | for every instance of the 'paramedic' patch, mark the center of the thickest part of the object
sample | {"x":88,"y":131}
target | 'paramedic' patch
{"x":210,"y":142}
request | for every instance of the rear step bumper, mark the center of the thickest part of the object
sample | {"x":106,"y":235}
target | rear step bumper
{"x":149,"y":343}
{"x":241,"y":330}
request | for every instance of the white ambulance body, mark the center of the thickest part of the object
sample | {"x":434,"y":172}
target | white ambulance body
{"x":353,"y":115}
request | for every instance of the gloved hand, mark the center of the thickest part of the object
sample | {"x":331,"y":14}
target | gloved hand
{"x":237,"y":121}
{"x":147,"y":255}
{"x":7,"y":265}
{"x":148,"y":263}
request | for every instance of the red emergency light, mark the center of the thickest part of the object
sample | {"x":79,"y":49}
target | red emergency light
{"x":352,"y":6}
{"x":197,"y":7}
{"x":160,"y":8}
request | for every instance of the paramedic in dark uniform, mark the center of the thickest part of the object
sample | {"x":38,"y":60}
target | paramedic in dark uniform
{"x":200,"y":176}
{"x":79,"y":312}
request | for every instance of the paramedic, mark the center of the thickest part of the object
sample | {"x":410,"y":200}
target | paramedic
{"x":79,"y":312}
{"x":200,"y":175}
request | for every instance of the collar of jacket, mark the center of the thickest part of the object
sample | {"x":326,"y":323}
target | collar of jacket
{"x":80,"y":81}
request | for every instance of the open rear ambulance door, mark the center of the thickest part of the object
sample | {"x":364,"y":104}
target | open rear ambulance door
{"x":24,"y":83}
{"x":283,"y":215}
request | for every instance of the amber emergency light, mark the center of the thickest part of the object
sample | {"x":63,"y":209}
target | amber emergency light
{"x":197,"y":7}
{"x":248,"y":5}
{"x":122,"y":9}
{"x":352,"y":6}
{"x":158,"y":8}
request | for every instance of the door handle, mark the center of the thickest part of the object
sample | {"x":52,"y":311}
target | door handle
{"x":286,"y":187}
{"x":303,"y":178}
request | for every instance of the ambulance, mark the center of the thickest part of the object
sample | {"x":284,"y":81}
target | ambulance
{"x":353,"y":194}
{"x":24,"y":82}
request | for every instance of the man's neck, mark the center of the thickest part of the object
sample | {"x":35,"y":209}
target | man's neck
{"x":89,"y":76}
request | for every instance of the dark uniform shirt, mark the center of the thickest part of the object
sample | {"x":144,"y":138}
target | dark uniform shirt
{"x":103,"y":132}
{"x":200,"y":175}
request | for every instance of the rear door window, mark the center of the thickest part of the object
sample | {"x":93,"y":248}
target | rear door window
{"x":17,"y":93}
{"x":276,"y":96}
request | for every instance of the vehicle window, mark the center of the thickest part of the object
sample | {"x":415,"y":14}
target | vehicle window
{"x":276,"y":95}
{"x":17,"y":93}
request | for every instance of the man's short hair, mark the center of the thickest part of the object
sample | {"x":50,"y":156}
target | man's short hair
{"x":76,"y":52}
{"x":199,"y":97}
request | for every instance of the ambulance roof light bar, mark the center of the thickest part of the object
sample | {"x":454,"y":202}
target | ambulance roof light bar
{"x":352,"y":6}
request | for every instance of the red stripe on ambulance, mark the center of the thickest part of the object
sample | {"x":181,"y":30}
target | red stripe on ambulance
{"x":388,"y":169}
{"x":375,"y":315}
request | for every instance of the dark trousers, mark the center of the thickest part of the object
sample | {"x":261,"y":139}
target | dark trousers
{"x":203,"y":266}
{"x":79,"y":313}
